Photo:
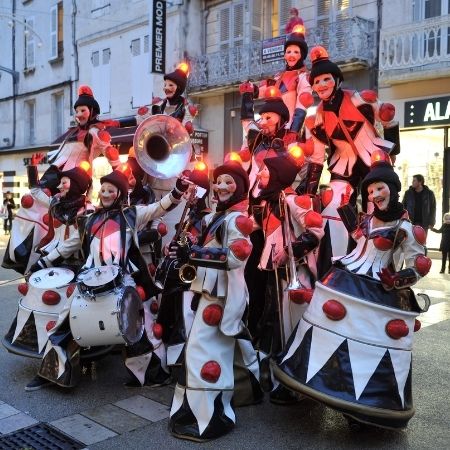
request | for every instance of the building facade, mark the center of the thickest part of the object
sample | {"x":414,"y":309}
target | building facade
{"x":414,"y":68}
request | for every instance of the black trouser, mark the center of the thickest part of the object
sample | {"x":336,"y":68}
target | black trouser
{"x":445,"y":254}
{"x":7,"y":223}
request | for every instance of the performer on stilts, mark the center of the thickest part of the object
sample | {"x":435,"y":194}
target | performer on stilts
{"x":352,"y":349}
{"x":346,"y":122}
{"x":202,"y":406}
{"x":108,"y":238}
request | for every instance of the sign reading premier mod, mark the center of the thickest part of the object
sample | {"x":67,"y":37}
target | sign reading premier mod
{"x":428,"y":112}
{"x":159,"y":37}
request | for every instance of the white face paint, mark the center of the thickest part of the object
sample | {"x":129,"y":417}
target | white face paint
{"x":64,"y":186}
{"x":269,"y":122}
{"x":292,"y":55}
{"x":108,"y":194}
{"x":323,"y":85}
{"x":379,"y":194}
{"x":169,"y":88}
{"x":224,"y":187}
{"x":82,"y":114}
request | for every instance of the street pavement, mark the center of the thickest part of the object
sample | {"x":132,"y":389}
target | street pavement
{"x":102,"y":413}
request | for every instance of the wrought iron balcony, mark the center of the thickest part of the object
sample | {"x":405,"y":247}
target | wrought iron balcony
{"x":348,"y":41}
{"x":415,"y":51}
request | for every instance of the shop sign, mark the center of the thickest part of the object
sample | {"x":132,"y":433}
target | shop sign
{"x":27,"y":161}
{"x":199,"y":139}
{"x":159,"y":37}
{"x":432,"y":111}
{"x":272,"y":49}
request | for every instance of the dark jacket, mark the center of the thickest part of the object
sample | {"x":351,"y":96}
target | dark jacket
{"x":428,"y":206}
{"x":445,"y":240}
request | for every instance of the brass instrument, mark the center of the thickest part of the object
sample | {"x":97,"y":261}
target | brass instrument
{"x":186,"y":272}
{"x":162,"y":146}
{"x":293,"y":283}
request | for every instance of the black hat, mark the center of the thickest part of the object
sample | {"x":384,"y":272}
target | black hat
{"x":80,"y":181}
{"x":118,"y":179}
{"x":86,"y":98}
{"x":277,"y":106}
{"x":179,"y":77}
{"x":321,"y":64}
{"x":381,"y":171}
{"x":298,"y":39}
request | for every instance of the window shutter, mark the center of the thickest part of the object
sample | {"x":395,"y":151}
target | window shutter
{"x":238,"y":24}
{"x":224,"y":28}
{"x":54,"y":32}
{"x":283,"y":14}
{"x":30,"y":45}
{"x":257,"y":20}
{"x":135,"y":47}
{"x":141,"y":78}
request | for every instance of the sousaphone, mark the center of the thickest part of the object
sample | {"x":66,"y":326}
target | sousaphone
{"x":162,"y":146}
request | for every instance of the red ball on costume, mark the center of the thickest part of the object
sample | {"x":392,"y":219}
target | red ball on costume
{"x":157,"y":330}
{"x":141,"y":291}
{"x":51,"y":324}
{"x":112,"y":153}
{"x":162,"y":228}
{"x":397,"y":328}
{"x":334,"y":310}
{"x":27,"y":201}
{"x":211,"y":371}
{"x":104,"y":136}
{"x":154,"y":307}
{"x":23,"y":288}
{"x":386,"y":112}
{"x":46,"y":219}
{"x":51,"y":298}
{"x":212,"y":315}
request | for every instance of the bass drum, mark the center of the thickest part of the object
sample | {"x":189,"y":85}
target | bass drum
{"x":115,"y":318}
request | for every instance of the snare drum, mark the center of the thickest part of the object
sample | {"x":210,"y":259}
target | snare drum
{"x":99,"y":280}
{"x":115,"y":318}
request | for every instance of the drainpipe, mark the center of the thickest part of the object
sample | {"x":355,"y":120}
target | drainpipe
{"x":378,"y":34}
{"x":75,"y":51}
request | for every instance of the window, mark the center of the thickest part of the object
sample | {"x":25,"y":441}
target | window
{"x":30,"y":45}
{"x":58,"y":114}
{"x":333,"y":31}
{"x":30,"y":122}
{"x":231,"y":26}
{"x":56,"y":31}
{"x":141,"y":78}
{"x":100,"y":7}
{"x":101,"y":78}
{"x":283,"y":14}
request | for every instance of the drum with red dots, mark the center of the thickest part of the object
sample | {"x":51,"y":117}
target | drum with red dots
{"x":116,"y":317}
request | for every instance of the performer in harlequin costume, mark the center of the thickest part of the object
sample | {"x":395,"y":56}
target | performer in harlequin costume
{"x":283,"y":211}
{"x":352,"y":348}
{"x":108,"y":237}
{"x":202,"y":406}
{"x":345,"y":122}
{"x":84,"y":142}
{"x":27,"y":335}
{"x":292,"y":83}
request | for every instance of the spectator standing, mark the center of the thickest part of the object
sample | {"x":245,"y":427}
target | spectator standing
{"x":420,"y":202}
{"x":445,"y":241}
{"x":8,"y":205}
{"x":293,"y":20}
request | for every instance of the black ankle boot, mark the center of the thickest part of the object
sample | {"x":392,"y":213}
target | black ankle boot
{"x":442,"y":269}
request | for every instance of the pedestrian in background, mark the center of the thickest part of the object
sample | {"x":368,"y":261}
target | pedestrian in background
{"x":444,"y":248}
{"x":420,"y":202}
{"x":8,"y":206}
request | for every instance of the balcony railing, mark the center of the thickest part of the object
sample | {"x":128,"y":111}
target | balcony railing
{"x":349,"y":40}
{"x":415,"y":51}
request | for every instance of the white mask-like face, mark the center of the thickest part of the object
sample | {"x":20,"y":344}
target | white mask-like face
{"x":379,"y":194}
{"x":64,"y":186}
{"x":323,"y":85}
{"x":108,"y":194}
{"x":169,"y":88}
{"x":224,"y":187}
{"x":292,"y":55}
{"x":82,"y":114}
{"x":263,"y":177}
{"x":269,"y":122}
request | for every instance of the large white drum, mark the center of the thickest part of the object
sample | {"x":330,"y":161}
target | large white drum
{"x":108,"y":319}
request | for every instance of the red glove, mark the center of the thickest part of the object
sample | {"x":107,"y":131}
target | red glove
{"x":387,"y":278}
{"x":246,"y":87}
{"x":289,"y":138}
{"x":306,"y":99}
{"x":36,"y":158}
{"x":387,"y":112}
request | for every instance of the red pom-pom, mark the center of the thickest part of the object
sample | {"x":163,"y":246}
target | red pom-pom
{"x":386,"y":112}
{"x":141,"y":291}
{"x":51,"y":324}
{"x":369,"y":96}
{"x":154,"y":307}
{"x":104,"y":136}
{"x":306,"y":99}
{"x":419,"y":234}
{"x":212,"y":315}
{"x":27,"y":201}
{"x":422,"y":265}
{"x":245,"y":155}
{"x":210,"y":371}
{"x":162,"y":228}
{"x":334,"y":310}
{"x":301,"y":296}
{"x":23,"y":288}
{"x":397,"y":329}
{"x":46,"y":219}
{"x":189,"y":127}
{"x":85,"y":90}
{"x":112,"y":153}
{"x":157,"y":330}
{"x":51,"y":298}
{"x":381,"y":243}
{"x":244,"y":225}
{"x":303,"y":201}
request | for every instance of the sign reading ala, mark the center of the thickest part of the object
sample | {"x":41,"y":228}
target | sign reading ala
{"x":428,"y":112}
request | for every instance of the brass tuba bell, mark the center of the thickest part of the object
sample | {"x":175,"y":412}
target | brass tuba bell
{"x":162,"y":146}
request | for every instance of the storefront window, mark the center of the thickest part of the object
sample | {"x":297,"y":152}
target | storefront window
{"x":422,"y":153}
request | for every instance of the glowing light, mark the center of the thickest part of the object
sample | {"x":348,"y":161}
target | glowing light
{"x":200,"y":165}
{"x":184,"y":67}
{"x":379,"y":156}
{"x":131,"y":152}
{"x":234,"y":156}
{"x":85,"y":166}
{"x":296,"y":151}
{"x":318,"y":52}
{"x":273,"y":93}
{"x":299,"y":29}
